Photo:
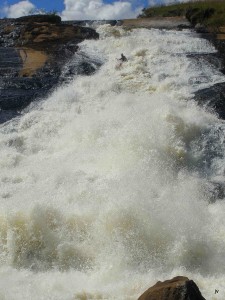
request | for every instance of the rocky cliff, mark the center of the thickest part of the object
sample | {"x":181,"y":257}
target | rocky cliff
{"x":33,"y":51}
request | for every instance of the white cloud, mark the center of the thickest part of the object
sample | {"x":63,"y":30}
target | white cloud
{"x":166,"y":2}
{"x":98,"y":10}
{"x":152,"y":2}
{"x":19,"y":9}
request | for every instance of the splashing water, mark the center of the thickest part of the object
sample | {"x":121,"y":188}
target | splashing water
{"x":107,"y":185}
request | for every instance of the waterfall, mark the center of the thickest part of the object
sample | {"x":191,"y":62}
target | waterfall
{"x":116,"y":179}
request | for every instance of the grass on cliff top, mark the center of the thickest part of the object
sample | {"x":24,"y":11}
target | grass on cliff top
{"x":210,"y":13}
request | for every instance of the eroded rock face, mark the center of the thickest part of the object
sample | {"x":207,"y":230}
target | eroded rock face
{"x":178,"y":288}
{"x":41,"y":32}
{"x":33,"y":51}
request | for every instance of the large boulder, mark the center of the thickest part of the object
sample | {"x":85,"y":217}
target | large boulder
{"x":178,"y":288}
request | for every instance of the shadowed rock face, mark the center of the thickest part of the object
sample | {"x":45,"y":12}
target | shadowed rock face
{"x":33,"y":51}
{"x":178,"y":288}
{"x":213,"y":98}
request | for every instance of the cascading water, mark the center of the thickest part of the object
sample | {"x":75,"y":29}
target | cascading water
{"x":111,"y":183}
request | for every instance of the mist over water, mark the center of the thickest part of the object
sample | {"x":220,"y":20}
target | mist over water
{"x":114,"y":181}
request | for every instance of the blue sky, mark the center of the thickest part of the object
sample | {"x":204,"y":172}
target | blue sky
{"x":78,"y":9}
{"x":47,"y":4}
{"x":59,"y":4}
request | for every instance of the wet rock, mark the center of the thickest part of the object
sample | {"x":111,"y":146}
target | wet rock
{"x":178,"y":288}
{"x":215,"y":190}
{"x":200,"y":28}
{"x":213,"y":98}
{"x":80,"y":64}
{"x":218,"y":40}
{"x":33,"y":53}
{"x":220,"y":46}
{"x":10,"y":62}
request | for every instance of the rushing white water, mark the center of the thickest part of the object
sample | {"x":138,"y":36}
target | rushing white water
{"x":107,"y":185}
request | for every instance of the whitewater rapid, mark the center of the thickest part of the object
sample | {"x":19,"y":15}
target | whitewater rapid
{"x":110,"y":184}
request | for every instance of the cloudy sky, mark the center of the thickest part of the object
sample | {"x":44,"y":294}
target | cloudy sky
{"x":79,"y":9}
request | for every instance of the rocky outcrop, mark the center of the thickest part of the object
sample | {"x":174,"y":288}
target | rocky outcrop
{"x":33,"y":51}
{"x":178,"y":288}
{"x":51,"y":19}
{"x":213,"y":97}
{"x":41,"y":32}
{"x":219,"y":43}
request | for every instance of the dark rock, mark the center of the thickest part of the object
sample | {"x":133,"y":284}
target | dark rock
{"x":52,"y":18}
{"x":220,"y":46}
{"x":213,"y":98}
{"x":6,"y":115}
{"x":33,"y":53}
{"x":178,"y":288}
{"x":215,"y":190}
{"x":80,"y":64}
{"x":10,"y":62}
{"x":15,"y":99}
{"x":200,"y":28}
{"x":183,"y":26}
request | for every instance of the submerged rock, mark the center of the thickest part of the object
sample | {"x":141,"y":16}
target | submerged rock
{"x":33,"y":52}
{"x":178,"y":288}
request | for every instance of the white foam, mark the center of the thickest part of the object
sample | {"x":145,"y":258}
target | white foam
{"x":103,"y":184}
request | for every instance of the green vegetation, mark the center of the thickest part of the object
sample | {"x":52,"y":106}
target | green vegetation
{"x":208,"y":13}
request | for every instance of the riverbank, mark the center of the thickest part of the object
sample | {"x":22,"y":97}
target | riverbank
{"x":176,"y":23}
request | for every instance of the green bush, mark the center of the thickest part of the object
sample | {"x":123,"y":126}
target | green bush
{"x":208,"y":13}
